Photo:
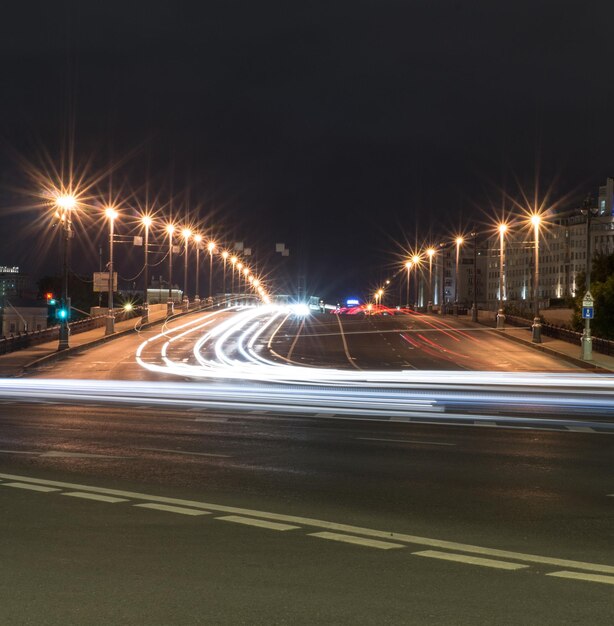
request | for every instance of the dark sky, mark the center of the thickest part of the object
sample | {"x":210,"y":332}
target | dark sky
{"x":337,"y":127}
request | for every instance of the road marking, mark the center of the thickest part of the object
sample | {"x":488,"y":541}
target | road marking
{"x":17,"y":452}
{"x":248,"y":521}
{"x":171,"y":509}
{"x":213,"y":420}
{"x":223,"y":456}
{"x":593,"y":578}
{"x":484,"y":423}
{"x":298,"y":332}
{"x":30,"y":487}
{"x":331,"y":526}
{"x":426,"y":443}
{"x":470,"y":560}
{"x":80,"y":455}
{"x":360,"y":541}
{"x":93,"y":496}
{"x":581,"y":429}
{"x":258,"y":412}
{"x":345,"y":344}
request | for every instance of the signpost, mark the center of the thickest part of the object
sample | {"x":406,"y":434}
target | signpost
{"x":588,"y":312}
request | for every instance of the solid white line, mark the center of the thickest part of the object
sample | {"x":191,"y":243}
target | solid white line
{"x":334,"y":526}
{"x":593,"y":578}
{"x":345,"y":344}
{"x":30,"y":487}
{"x":470,"y":560}
{"x":171,"y":509}
{"x":426,"y":443}
{"x":237,"y":519}
{"x":298,"y":332}
{"x":359,"y":541}
{"x":580,"y":429}
{"x":94,"y":496}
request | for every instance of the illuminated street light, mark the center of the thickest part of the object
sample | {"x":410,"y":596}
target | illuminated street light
{"x":111,"y":214}
{"x":146,"y":221}
{"x":65,"y":204}
{"x":233,"y":262}
{"x":197,"y":240}
{"x":459,"y":242}
{"x":170,"y":229}
{"x":430,"y":253}
{"x":408,"y":266}
{"x":225,"y":259}
{"x":211,"y":249}
{"x":502,"y":228}
{"x":186,"y":233}
{"x":536,"y":328}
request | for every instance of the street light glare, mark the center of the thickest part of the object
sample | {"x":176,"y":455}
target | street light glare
{"x":111,"y":213}
{"x":225,"y":254}
{"x":536,"y":219}
{"x":211,"y":246}
{"x":408,"y":264}
{"x":66,"y":202}
{"x":416,"y":259}
{"x":233,"y":260}
{"x":503,"y":227}
{"x":431,"y":251}
{"x":198,"y":238}
{"x":459,"y":241}
{"x":170,"y":229}
{"x":146,"y":221}
{"x":187,"y":233}
{"x":245,"y":271}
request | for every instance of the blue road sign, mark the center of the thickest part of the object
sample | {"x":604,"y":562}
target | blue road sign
{"x":588,"y":312}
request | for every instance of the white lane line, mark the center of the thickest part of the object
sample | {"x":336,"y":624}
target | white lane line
{"x":345,"y":344}
{"x":17,"y":452}
{"x":470,"y":560}
{"x":93,"y":496}
{"x":187,"y":453}
{"x":359,"y":541}
{"x":171,"y":509}
{"x":237,"y":519}
{"x":426,"y":443}
{"x":30,"y":487}
{"x":298,"y":332}
{"x":580,"y":429}
{"x":213,"y":420}
{"x":593,"y":578}
{"x":333,"y":526}
{"x":80,"y":455}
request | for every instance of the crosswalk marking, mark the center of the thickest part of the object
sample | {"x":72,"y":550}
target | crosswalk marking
{"x":248,"y":521}
{"x":360,"y":541}
{"x":471,"y":560}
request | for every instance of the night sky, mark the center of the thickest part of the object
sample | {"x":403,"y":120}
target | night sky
{"x":343,"y":129}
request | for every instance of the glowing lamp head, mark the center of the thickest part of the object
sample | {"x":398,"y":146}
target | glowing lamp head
{"x":536,"y":219}
{"x":416,"y":259}
{"x":239,"y":266}
{"x":245,"y":271}
{"x":431,"y":252}
{"x":146,"y":221}
{"x":250,"y":278}
{"x":408,"y":264}
{"x":211,"y":246}
{"x":256,"y":282}
{"x":233,"y":260}
{"x":459,"y":241}
{"x":170,"y":229}
{"x":198,"y":238}
{"x":186,"y":233}
{"x":380,"y":292}
{"x":128,"y":306}
{"x":225,"y":254}
{"x":66,"y":202}
{"x":502,"y":228}
{"x":111,"y":213}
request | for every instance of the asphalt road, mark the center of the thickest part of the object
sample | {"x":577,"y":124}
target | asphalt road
{"x":268,"y":550}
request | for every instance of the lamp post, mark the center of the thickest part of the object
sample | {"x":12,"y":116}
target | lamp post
{"x":459,"y":243}
{"x":240,"y":271}
{"x":146,"y":221}
{"x":197,"y":240}
{"x":112,"y":215}
{"x":587,"y":340}
{"x":211,"y":249}
{"x":225,"y":259}
{"x":170,"y":229}
{"x":65,"y":204}
{"x":536,"y":328}
{"x":186,"y":233}
{"x":416,"y":259}
{"x":245,"y":275}
{"x":430,"y":253}
{"x":502,"y":228}
{"x":408,"y":265}
{"x":233,"y":262}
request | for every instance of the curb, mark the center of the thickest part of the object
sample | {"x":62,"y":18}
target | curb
{"x":59,"y":355}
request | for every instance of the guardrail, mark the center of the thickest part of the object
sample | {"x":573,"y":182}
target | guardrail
{"x":603,"y":346}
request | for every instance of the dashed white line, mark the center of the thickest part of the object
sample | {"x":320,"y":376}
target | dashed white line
{"x":171,"y":509}
{"x":187,"y":453}
{"x":248,"y":521}
{"x":359,"y":541}
{"x":30,"y":487}
{"x":470,"y":560}
{"x":93,"y":496}
{"x":426,"y":443}
{"x":593,"y":578}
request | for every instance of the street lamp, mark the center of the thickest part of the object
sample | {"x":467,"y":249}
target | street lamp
{"x":502,"y":228}
{"x":111,"y":215}
{"x":245,"y":275}
{"x":587,"y":340}
{"x":211,"y":249}
{"x":416,"y":260}
{"x":65,"y":204}
{"x":536,"y":335}
{"x":459,"y":242}
{"x":408,"y":266}
{"x":186,"y":233}
{"x":233,"y":262}
{"x":147,"y":222}
{"x":430,"y":252}
{"x":197,"y":240}
{"x":170,"y":229}
{"x":225,"y":259}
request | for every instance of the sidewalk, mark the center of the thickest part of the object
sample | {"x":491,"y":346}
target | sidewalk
{"x":13,"y":364}
{"x":555,"y":347}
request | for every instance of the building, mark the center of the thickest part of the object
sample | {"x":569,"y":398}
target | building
{"x":20,"y":315}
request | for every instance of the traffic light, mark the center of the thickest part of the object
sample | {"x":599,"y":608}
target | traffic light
{"x":51,"y":301}
{"x":62,"y":313}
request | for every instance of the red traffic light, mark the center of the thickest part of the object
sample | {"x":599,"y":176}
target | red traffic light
{"x":49,"y":296}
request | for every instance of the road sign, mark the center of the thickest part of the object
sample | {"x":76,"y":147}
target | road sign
{"x":588,"y":312}
{"x":587,"y":300}
{"x":101,"y":281}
